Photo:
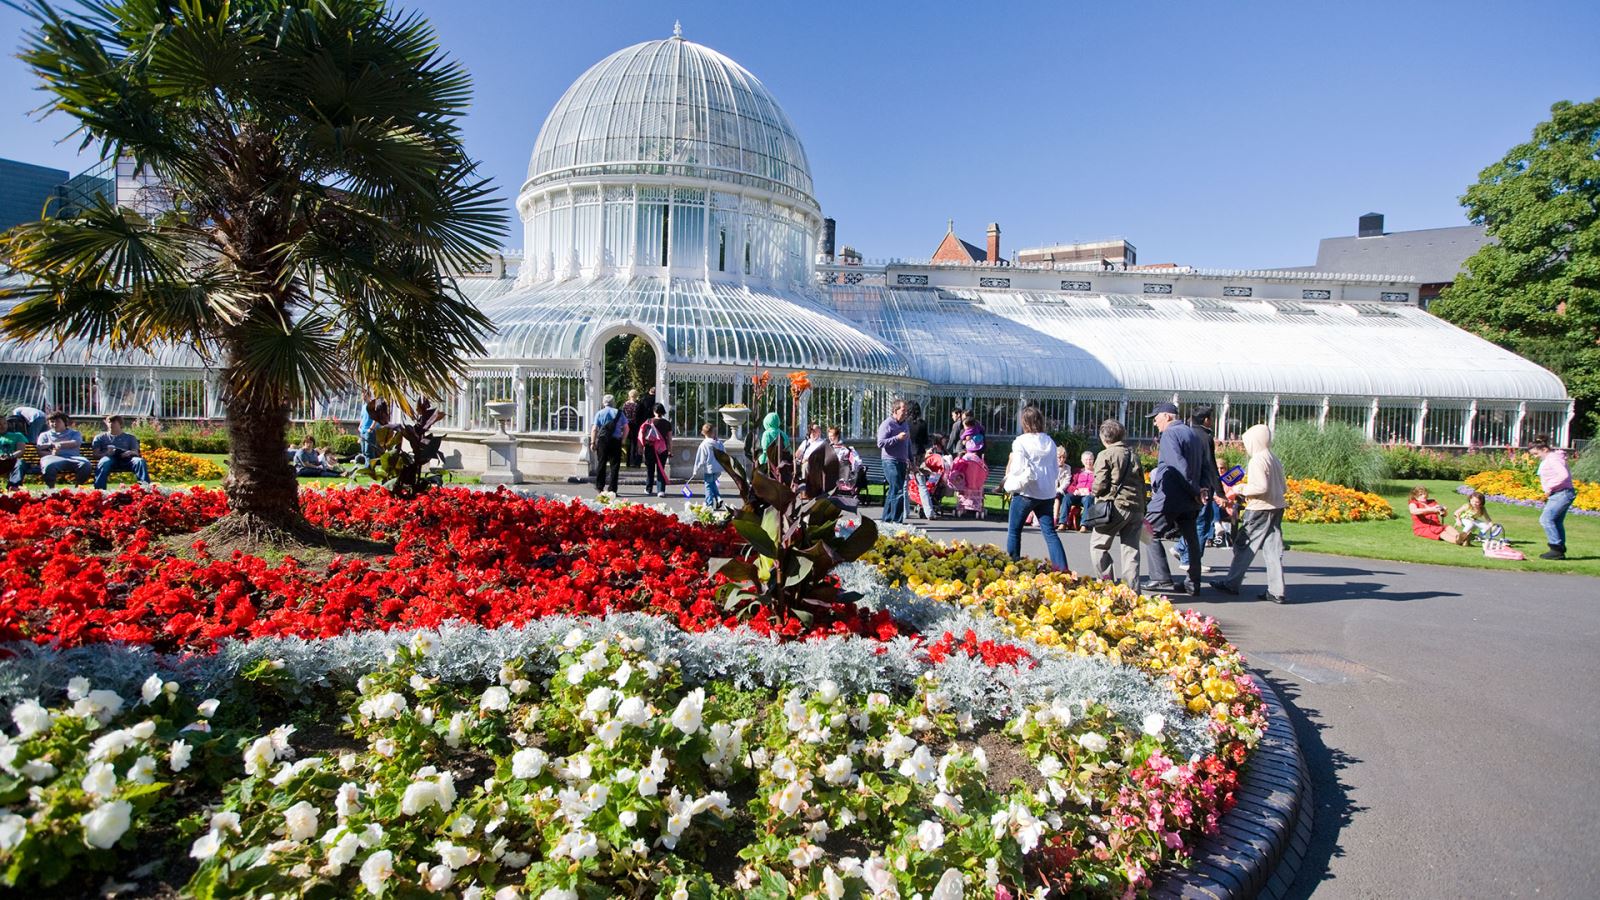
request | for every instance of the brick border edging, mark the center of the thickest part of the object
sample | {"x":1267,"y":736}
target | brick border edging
{"x":1264,"y":838}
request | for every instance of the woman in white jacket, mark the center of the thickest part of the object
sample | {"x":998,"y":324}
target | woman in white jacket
{"x":1263,"y":492}
{"x":1031,"y":480}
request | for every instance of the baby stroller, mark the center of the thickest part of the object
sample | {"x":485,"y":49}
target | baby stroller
{"x":933,"y":471}
{"x":966,"y":478}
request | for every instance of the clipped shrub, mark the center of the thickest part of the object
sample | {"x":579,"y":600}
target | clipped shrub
{"x":346,"y":445}
{"x":1410,"y":463}
{"x":1337,"y":453}
{"x":1075,"y":444}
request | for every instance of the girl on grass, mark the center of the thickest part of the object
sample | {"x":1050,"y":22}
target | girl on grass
{"x":1473,"y":519}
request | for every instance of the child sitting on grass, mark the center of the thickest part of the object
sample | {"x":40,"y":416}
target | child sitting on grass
{"x":1473,"y":519}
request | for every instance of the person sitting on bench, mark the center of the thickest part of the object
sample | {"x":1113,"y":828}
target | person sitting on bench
{"x":60,"y":449}
{"x":118,"y":451}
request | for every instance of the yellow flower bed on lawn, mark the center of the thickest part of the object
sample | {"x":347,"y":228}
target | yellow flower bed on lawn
{"x":1082,"y":616}
{"x":1523,"y":484}
{"x":1312,"y":501}
{"x":171,"y":465}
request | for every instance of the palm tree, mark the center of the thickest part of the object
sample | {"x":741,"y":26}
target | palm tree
{"x":316,"y":194}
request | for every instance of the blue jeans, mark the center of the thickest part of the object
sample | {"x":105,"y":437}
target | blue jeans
{"x":1044,"y":512}
{"x":1203,"y":524}
{"x":713,"y":493}
{"x":1554,"y":517}
{"x":107,"y":465}
{"x":894,"y":489}
{"x":51,"y":467}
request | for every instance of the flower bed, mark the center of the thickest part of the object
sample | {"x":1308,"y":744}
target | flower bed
{"x":1521,"y":487}
{"x":1312,"y":501}
{"x":575,"y":718}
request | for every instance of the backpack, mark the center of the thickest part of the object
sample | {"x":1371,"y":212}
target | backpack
{"x":649,"y":436}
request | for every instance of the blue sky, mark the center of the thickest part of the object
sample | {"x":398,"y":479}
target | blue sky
{"x":1213,"y":134}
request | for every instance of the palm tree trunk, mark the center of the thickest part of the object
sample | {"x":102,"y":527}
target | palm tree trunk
{"x":263,"y":494}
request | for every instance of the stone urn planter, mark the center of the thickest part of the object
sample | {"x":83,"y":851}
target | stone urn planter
{"x":504,"y":412}
{"x":734,"y":417}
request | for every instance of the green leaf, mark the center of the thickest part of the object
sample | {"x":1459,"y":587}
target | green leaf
{"x":756,"y":536}
{"x":860,"y":541}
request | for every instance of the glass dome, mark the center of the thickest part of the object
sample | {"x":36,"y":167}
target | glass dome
{"x":672,"y":108}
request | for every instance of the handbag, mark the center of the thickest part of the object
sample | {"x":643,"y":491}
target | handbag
{"x":1099,"y":516}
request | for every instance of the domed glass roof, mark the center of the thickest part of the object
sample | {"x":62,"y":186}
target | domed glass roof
{"x":671,"y":107}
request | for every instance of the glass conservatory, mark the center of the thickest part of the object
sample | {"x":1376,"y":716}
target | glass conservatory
{"x":669,"y":198}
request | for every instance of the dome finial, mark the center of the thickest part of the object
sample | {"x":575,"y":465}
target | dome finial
{"x":677,"y":29}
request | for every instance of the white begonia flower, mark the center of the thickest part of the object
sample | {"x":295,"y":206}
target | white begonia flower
{"x":376,"y":872}
{"x":385,"y":747}
{"x":280,"y":741}
{"x":143,"y":770}
{"x":515,"y":860}
{"x":554,"y":893}
{"x":387,"y":705}
{"x":1049,"y":767}
{"x":840,"y":772}
{"x":680,"y":893}
{"x":344,"y":850}
{"x":1093,"y":742}
{"x":651,"y":670}
{"x":38,"y":770}
{"x":622,"y":674}
{"x":594,"y":657}
{"x":633,"y":711}
{"x":937,"y":702}
{"x":151,"y":689}
{"x":789,"y":799}
{"x":687,"y":717}
{"x":208,"y":708}
{"x":300,"y":821}
{"x":418,"y":796}
{"x":100,"y":780}
{"x":495,"y":698}
{"x":259,"y":756}
{"x":783,"y":767}
{"x":650,"y":779}
{"x":31,"y":718}
{"x":828,"y":691}
{"x":951,"y":802}
{"x":628,"y":818}
{"x":609,"y":733}
{"x":598,"y":700}
{"x":573,"y":639}
{"x":454,"y":855}
{"x":456,"y":731}
{"x":104,"y":825}
{"x":179,"y":755}
{"x":832,"y":884}
{"x":930,"y":835}
{"x":447,"y":789}
{"x":528,"y":763}
{"x":100,"y":705}
{"x":875,"y":872}
{"x":920,"y":765}
{"x":13,"y":828}
{"x":576,"y":673}
{"x":1154,"y":724}
{"x":520,"y":686}
{"x":897,"y":747}
{"x":206,"y":845}
{"x":952,"y":886}
{"x":77,"y":688}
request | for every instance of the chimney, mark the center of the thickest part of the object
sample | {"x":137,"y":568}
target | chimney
{"x":1370,"y":225}
{"x":828,"y":229}
{"x":994,"y":243}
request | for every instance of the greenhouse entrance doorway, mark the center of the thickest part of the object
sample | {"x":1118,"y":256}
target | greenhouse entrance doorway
{"x":628,"y":364}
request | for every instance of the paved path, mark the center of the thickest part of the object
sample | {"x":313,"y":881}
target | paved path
{"x":1451,"y":718}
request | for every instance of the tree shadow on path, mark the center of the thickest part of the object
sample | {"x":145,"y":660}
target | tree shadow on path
{"x":1326,"y":584}
{"x":1333,"y":807}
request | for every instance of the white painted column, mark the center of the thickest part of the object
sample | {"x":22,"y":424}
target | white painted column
{"x":1418,"y":431}
{"x":1372,"y":418}
{"x":1516,"y":431}
{"x":1466,"y":429}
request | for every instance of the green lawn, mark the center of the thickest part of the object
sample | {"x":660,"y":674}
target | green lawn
{"x":1393,"y":539}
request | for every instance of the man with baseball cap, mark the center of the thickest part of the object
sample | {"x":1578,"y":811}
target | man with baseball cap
{"x":1175,"y":498}
{"x":1210,"y":484}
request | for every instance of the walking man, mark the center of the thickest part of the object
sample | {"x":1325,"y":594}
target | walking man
{"x":1263,"y":492}
{"x":1211,"y":486}
{"x":1174,"y":498}
{"x":894,"y":445}
{"x":610,"y":428}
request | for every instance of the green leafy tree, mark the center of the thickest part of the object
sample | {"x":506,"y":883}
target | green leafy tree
{"x":317,"y":194}
{"x":640,"y":364}
{"x":1536,"y":289}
